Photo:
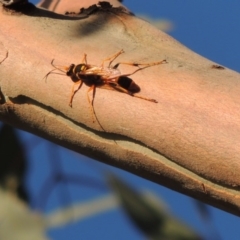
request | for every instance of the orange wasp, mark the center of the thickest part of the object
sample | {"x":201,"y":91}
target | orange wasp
{"x":103,"y":77}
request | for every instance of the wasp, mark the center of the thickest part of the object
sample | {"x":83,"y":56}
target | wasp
{"x":108,"y":77}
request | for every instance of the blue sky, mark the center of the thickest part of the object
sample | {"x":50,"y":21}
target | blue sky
{"x":210,"y":28}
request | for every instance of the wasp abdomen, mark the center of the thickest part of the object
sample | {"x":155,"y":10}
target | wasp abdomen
{"x":91,"y":79}
{"x":128,"y":84}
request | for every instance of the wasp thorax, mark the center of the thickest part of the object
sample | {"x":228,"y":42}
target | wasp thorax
{"x":80,"y":68}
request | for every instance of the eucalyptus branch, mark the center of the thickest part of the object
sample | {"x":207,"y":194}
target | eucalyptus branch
{"x":189,"y":141}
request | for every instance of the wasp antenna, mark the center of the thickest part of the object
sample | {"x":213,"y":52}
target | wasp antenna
{"x":52,"y":72}
{"x":46,"y":76}
{"x":60,"y":68}
{"x":55,"y":66}
{"x":52,"y":63}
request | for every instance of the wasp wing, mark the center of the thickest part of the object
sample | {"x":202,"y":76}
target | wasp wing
{"x":106,"y":73}
{"x":112,"y":84}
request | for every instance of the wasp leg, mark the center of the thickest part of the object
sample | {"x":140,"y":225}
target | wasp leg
{"x":92,"y":88}
{"x":123,"y":90}
{"x":74,"y":91}
{"x":112,"y":58}
{"x":84,"y":60}
{"x":145,"y":98}
{"x":145,"y":65}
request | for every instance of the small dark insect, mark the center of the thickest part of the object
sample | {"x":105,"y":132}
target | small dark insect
{"x":217,"y":67}
{"x":6,"y":55}
{"x":103,"y":77}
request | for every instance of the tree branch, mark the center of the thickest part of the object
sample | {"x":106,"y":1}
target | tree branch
{"x":189,"y":141}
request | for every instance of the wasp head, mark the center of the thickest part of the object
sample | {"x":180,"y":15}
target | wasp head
{"x":70,"y":70}
{"x":73,"y":71}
